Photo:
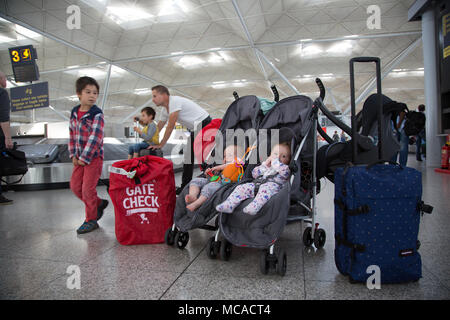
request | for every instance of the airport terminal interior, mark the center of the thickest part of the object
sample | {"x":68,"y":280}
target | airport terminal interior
{"x":217,"y":53}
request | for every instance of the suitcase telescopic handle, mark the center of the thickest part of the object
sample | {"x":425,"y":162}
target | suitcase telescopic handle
{"x":377,"y":62}
{"x":365,"y":59}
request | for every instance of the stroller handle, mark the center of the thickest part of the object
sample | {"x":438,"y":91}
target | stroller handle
{"x":321,"y":88}
{"x":276,"y":96}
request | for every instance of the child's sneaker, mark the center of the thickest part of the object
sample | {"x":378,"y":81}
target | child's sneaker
{"x":4,"y":200}
{"x":89,"y":226}
{"x":100,"y":208}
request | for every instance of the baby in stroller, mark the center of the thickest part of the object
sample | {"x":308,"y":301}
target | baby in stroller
{"x":205,"y":187}
{"x":270,"y":176}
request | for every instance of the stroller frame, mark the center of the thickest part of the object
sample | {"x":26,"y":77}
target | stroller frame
{"x":270,"y":259}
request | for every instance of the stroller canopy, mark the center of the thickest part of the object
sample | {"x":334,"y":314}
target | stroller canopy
{"x":244,"y":113}
{"x":292,"y":112}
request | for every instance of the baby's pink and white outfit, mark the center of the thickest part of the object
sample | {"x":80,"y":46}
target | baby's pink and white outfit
{"x":277,"y":174}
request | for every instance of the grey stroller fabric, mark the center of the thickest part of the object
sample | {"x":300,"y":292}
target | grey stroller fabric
{"x":186,"y":220}
{"x":293,"y":117}
{"x":244,"y":113}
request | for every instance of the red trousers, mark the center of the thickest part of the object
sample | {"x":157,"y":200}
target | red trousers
{"x":83,"y":184}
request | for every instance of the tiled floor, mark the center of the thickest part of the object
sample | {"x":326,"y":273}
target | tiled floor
{"x":38,"y":243}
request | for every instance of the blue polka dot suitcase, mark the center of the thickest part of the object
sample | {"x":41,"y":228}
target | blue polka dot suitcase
{"x":377,"y":215}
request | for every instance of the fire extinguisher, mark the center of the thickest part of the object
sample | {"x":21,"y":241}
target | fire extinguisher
{"x":445,"y":154}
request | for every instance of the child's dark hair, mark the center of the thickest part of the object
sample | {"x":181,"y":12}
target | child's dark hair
{"x":149,"y":111}
{"x":421,"y":107}
{"x":82,"y":82}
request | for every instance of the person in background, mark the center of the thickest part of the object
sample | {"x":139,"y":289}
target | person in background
{"x":149,"y":133}
{"x":5,"y":132}
{"x":336,"y":137}
{"x":402,"y":138}
{"x":343,"y":137}
{"x":420,"y":138}
{"x":188,"y":114}
{"x":86,"y":151}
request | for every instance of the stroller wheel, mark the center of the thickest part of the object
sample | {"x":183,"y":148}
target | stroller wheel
{"x":181,"y":239}
{"x":211,"y":248}
{"x":264,"y":263}
{"x":319,"y":238}
{"x":281,"y":263}
{"x":225,"y":250}
{"x":307,"y":239}
{"x":169,"y":238}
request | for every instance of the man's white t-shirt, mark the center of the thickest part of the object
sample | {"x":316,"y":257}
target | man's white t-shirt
{"x":189,"y":111}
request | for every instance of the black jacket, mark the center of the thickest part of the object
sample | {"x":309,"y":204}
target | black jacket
{"x":5,"y":108}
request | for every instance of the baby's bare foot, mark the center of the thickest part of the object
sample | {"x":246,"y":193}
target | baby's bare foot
{"x":192,"y":207}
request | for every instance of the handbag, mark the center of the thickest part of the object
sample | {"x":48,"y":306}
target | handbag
{"x":12,"y":163}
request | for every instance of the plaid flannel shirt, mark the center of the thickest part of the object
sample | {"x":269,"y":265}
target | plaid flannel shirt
{"x":86,"y":134}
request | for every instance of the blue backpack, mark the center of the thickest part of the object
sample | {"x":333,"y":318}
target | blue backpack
{"x":377,"y":216}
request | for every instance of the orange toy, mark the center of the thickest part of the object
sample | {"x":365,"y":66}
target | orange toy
{"x":233,"y":171}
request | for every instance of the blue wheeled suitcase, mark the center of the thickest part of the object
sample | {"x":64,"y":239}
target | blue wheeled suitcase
{"x":377,"y":214}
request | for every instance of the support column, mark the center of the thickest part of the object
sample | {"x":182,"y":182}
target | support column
{"x":431,"y":83}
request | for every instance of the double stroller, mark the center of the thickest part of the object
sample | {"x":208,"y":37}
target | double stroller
{"x":243,"y":114}
{"x":294,"y":120}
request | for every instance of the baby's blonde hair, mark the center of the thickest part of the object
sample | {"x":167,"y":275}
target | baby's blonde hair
{"x":237,"y":152}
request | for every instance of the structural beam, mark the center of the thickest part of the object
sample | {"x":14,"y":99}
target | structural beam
{"x":250,"y":40}
{"x":149,"y":101}
{"x":281,"y":75}
{"x":59,"y":113}
{"x":105,"y":94}
{"x":87,"y":52}
{"x":270,"y":44}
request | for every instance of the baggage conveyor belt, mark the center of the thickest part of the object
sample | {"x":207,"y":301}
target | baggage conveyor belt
{"x":56,"y":175}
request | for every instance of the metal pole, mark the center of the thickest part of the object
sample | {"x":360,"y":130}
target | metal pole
{"x":430,"y":64}
{"x":59,"y":113}
{"x":105,"y":94}
{"x":136,"y":110}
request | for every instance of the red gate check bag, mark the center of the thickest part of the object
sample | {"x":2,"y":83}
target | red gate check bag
{"x":143,"y":193}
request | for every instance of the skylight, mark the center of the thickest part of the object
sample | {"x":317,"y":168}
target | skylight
{"x":126,"y":14}
{"x":171,"y":7}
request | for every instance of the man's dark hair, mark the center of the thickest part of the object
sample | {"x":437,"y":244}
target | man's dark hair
{"x":149,"y":111}
{"x":421,"y":107}
{"x":161,"y":89}
{"x":83,"y":82}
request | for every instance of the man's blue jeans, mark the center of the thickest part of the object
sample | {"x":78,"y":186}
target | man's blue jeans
{"x":403,"y":153}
